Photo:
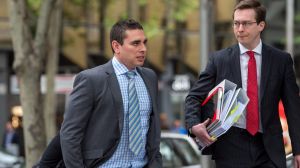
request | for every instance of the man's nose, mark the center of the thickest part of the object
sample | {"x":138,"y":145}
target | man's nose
{"x":241,"y":27}
{"x":143,"y":47}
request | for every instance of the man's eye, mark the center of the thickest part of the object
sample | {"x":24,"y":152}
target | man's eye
{"x":236,"y":24}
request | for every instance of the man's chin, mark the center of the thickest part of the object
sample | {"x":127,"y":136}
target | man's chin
{"x":243,"y":42}
{"x":140,"y":63}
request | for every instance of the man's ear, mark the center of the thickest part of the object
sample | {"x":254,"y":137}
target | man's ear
{"x":262,"y":25}
{"x":116,"y":46}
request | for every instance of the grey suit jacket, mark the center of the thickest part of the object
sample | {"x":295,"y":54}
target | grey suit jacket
{"x":93,"y":121}
{"x":277,"y":82}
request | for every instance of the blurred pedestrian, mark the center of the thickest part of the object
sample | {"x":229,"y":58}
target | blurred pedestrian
{"x":267,"y":74}
{"x":11,"y":140}
{"x":164,"y":126}
{"x":177,"y":127}
{"x":111,"y":118}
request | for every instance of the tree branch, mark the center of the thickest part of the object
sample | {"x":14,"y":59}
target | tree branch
{"x":42,"y":29}
{"x":21,"y":35}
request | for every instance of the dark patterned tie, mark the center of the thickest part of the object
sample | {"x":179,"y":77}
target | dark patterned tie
{"x":135,"y":132}
{"x":252,"y":122}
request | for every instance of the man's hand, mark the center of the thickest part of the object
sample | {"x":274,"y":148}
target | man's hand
{"x":297,"y":161}
{"x":200,"y":132}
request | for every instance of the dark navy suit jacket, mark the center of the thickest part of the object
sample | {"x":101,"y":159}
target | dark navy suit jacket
{"x":277,"y":82}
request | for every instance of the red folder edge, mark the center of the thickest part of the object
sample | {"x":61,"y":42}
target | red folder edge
{"x":208,"y":98}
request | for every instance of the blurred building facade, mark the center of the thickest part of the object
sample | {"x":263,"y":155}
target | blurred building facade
{"x":173,"y":45}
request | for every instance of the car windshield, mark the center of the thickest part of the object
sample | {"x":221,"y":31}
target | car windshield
{"x":177,"y":153}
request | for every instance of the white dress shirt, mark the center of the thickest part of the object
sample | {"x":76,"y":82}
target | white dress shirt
{"x":244,"y":58}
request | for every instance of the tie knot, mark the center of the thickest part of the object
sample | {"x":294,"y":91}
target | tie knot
{"x":130,"y":74}
{"x":251,"y":54}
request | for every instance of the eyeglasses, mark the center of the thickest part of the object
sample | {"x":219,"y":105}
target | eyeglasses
{"x":245,"y":24}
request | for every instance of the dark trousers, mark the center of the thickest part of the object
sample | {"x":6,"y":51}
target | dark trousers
{"x":239,"y":149}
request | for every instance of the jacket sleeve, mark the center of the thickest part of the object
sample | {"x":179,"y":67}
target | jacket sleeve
{"x":76,"y":117}
{"x":194,"y":113}
{"x":291,"y":101}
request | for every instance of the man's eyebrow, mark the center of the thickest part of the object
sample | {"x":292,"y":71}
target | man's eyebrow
{"x":146,"y":40}
{"x":139,"y":41}
{"x":242,"y":21}
{"x":135,"y":41}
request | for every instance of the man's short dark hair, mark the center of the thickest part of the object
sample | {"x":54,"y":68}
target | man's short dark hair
{"x":118,"y":30}
{"x":259,"y":9}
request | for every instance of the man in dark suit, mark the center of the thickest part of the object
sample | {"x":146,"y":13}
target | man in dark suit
{"x":98,"y":119}
{"x":267,"y":75}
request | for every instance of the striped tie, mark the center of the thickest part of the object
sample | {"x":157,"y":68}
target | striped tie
{"x":135,"y":140}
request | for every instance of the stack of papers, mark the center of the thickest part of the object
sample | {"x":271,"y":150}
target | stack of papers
{"x":229,"y":104}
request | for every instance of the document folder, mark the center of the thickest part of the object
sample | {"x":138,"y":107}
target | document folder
{"x":229,"y":104}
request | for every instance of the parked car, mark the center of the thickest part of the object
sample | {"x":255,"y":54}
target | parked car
{"x":179,"y":151}
{"x":10,"y":161}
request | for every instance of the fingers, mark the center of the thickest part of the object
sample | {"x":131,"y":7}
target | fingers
{"x":201,"y":133}
{"x":296,"y":165}
{"x":207,"y":140}
{"x":206,"y":122}
{"x":213,"y":139}
{"x":297,"y":161}
{"x":210,"y":139}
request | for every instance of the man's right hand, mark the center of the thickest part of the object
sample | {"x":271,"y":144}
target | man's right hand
{"x":201,"y":133}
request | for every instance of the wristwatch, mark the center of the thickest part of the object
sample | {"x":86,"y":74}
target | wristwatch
{"x":191,"y":133}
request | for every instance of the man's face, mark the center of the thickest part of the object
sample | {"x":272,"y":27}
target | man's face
{"x":246,"y":29}
{"x":133,"y":51}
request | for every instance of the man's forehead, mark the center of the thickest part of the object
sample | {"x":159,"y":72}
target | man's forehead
{"x":244,"y":13}
{"x":134,"y":31}
{"x":135,"y":34}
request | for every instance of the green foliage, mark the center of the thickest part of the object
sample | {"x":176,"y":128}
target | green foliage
{"x":297,"y":23}
{"x":78,"y":2}
{"x":183,"y":8}
{"x":151,"y":27}
{"x":142,"y":2}
{"x":34,"y":6}
{"x":297,"y":40}
{"x":297,"y":18}
{"x":296,"y":33}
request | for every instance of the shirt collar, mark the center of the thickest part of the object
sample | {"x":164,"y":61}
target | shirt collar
{"x":119,"y":67}
{"x":257,"y":49}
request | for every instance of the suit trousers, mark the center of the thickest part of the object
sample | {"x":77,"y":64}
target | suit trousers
{"x":239,"y":149}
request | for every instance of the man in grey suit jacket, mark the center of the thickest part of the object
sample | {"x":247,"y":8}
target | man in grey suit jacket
{"x":240,"y":148}
{"x":95,"y":130}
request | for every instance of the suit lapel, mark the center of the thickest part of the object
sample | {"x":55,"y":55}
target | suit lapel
{"x":236,"y":69}
{"x":116,"y":92}
{"x":265,"y":69}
